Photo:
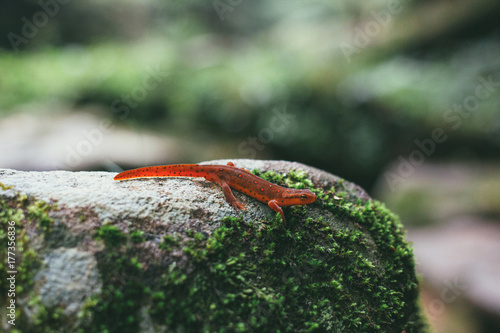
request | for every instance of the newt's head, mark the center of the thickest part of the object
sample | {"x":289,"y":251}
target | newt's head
{"x":298,"y":197}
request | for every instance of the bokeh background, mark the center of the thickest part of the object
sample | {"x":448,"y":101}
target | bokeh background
{"x":400,"y":97}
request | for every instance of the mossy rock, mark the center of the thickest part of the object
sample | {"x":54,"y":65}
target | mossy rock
{"x":170,"y":255}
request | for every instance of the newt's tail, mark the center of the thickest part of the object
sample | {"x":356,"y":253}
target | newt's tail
{"x":174,"y":170}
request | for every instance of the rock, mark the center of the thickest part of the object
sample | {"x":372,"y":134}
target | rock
{"x":170,"y":254}
{"x":68,"y":278}
{"x":79,"y":140}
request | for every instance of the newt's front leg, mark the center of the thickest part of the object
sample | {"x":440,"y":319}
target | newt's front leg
{"x":273,"y":204}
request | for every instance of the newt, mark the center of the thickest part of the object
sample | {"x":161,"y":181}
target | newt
{"x":230,"y":177}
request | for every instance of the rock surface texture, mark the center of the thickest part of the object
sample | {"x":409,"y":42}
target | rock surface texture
{"x":170,"y":254}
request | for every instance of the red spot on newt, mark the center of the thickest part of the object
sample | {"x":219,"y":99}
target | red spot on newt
{"x":230,"y":177}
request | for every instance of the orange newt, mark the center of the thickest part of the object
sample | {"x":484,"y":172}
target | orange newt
{"x":228,"y":176}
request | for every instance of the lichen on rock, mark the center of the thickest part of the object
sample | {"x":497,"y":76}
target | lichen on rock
{"x":171,"y":255}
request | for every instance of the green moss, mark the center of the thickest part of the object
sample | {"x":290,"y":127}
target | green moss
{"x":45,"y":320}
{"x":33,"y":211}
{"x":273,"y":279}
{"x":169,"y":242}
{"x":137,"y":236}
{"x":111,"y":235}
{"x":116,"y":309}
{"x":38,"y":211}
{"x":16,"y":213}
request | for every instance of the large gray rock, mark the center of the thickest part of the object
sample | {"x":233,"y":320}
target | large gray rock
{"x":171,"y":254}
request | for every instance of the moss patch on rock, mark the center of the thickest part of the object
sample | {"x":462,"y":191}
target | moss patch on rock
{"x":18,"y":214}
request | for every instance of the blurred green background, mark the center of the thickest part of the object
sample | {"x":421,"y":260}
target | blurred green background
{"x":400,"y":97}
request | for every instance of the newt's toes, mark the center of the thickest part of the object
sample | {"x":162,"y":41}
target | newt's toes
{"x":239,"y":206}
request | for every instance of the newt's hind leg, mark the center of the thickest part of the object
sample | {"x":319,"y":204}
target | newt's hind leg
{"x":230,"y":196}
{"x":232,"y":164}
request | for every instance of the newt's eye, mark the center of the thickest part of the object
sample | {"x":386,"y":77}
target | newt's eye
{"x":303,"y":197}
